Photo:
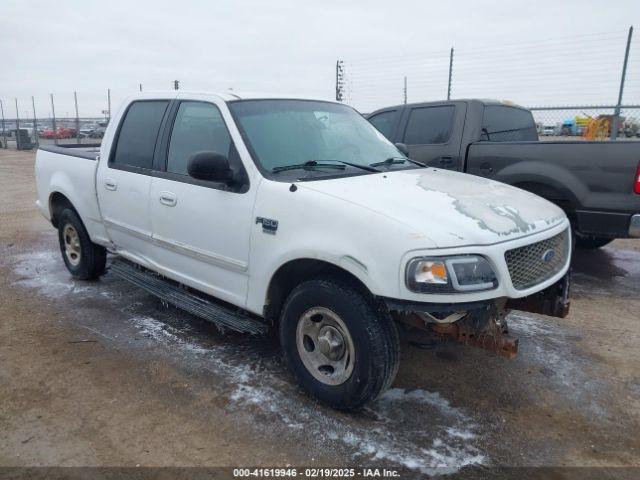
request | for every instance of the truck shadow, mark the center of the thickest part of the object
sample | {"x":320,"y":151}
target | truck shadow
{"x":606,"y":271}
{"x":600,"y":263}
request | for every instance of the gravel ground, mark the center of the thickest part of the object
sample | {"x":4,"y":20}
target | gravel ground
{"x":102,"y":374}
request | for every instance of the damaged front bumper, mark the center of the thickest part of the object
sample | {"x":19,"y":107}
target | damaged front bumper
{"x":481,"y":324}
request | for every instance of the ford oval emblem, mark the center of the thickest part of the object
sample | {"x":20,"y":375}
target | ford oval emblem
{"x":548,"y":255}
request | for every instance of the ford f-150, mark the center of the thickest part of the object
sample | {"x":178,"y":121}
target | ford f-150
{"x":297,"y":215}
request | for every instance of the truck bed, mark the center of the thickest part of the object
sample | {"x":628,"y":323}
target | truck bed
{"x":70,"y":171}
{"x":82,"y":150}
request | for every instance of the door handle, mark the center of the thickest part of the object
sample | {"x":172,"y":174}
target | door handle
{"x":486,"y":168}
{"x":446,"y":160}
{"x":110,"y":184}
{"x":168,"y":198}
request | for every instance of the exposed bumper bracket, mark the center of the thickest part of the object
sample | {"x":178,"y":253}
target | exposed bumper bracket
{"x":483,"y":328}
{"x":552,"y":301}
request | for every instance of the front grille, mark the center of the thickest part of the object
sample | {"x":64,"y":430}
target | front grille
{"x":533,"y":264}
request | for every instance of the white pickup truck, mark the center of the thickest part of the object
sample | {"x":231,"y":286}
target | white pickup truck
{"x":262,"y":213}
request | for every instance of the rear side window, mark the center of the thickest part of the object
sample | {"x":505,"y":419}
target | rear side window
{"x":198,"y":127}
{"x":384,"y":122}
{"x":501,"y":123}
{"x":429,"y":125}
{"x":138,"y":133}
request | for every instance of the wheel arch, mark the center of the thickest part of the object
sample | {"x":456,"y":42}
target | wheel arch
{"x":57,"y":203}
{"x":296,"y":271}
{"x":555,"y":194}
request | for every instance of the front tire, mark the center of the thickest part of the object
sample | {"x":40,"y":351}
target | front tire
{"x":84,"y":259}
{"x":342,"y":346}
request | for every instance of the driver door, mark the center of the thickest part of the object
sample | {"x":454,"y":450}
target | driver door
{"x":201,"y":230}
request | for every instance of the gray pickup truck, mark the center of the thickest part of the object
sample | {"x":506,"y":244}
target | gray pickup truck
{"x":596,"y":183}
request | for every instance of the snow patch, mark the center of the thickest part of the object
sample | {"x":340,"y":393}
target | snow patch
{"x":165,"y":333}
{"x":390,"y":436}
{"x":549,"y":345}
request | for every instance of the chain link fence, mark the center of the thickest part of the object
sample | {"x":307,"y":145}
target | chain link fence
{"x":572,"y":84}
{"x":24,"y":126}
{"x":590,"y":122}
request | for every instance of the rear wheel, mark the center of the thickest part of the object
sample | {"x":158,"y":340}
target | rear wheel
{"x":342,"y":347}
{"x":84,"y":259}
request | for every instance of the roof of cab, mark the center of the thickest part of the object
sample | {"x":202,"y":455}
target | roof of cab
{"x":228,"y":96}
{"x":483,"y":101}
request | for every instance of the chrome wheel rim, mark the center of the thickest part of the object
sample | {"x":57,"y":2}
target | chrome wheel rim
{"x":71,"y":241}
{"x":325,"y":346}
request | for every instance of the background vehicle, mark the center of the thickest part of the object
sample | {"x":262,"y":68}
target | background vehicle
{"x":548,"y":130}
{"x":595,"y":183}
{"x":298,"y":215}
{"x":60,"y":133}
{"x":97,"y":132}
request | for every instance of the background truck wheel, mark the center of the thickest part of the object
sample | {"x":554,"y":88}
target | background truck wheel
{"x":592,"y":242}
{"x":342,"y":347}
{"x":83,"y":258}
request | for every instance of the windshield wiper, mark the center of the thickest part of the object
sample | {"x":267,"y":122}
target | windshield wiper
{"x":395,"y":161}
{"x":388,"y":162}
{"x":368,"y":168}
{"x":308,"y":165}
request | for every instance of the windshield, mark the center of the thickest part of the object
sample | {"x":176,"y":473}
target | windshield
{"x":309,"y":135}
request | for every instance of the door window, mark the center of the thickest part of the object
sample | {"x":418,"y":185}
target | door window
{"x":198,"y":127}
{"x":502,"y":123}
{"x":429,"y":125}
{"x":385,"y":122}
{"x":138,"y":134}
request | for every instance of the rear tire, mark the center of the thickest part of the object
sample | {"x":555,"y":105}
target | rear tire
{"x":84,"y":259}
{"x":342,"y":346}
{"x":591,"y":243}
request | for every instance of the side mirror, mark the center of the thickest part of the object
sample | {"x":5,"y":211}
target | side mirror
{"x":403,"y":148}
{"x":210,"y":166}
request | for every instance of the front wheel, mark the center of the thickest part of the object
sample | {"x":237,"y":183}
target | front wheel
{"x":84,"y":259}
{"x":340,"y":344}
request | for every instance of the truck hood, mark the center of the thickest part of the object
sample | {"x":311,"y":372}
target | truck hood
{"x":450,"y":208}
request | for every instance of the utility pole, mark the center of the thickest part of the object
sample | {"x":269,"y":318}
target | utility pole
{"x":75,"y":100}
{"x":109,"y":103}
{"x":450,"y":74}
{"x":17,"y":126}
{"x":404,"y":90}
{"x":35,"y":121}
{"x":4,"y":132}
{"x":339,"y":81}
{"x":17,"y":118}
{"x":55,"y":130}
{"x":140,"y":87}
{"x":176,"y":84}
{"x":616,"y":113}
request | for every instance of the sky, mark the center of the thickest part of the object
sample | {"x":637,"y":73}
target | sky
{"x":533,"y":53}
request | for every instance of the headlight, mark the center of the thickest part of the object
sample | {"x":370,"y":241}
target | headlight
{"x":460,"y":273}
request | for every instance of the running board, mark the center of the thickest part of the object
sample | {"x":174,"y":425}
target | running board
{"x":181,"y":297}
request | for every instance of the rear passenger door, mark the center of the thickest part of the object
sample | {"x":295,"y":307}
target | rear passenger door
{"x":432,"y":137}
{"x":124,"y":180}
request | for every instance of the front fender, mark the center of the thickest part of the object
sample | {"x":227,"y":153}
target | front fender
{"x":264,"y":271}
